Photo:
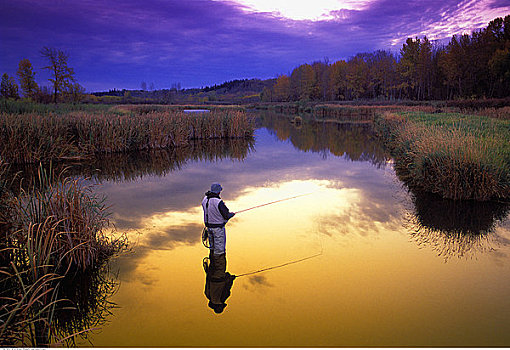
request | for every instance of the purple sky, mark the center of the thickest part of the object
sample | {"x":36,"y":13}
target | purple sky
{"x":119,"y":44}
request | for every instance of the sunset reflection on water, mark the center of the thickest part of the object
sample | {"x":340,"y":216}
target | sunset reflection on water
{"x":368,"y":283}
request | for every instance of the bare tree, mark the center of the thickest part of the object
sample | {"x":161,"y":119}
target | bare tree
{"x":62,"y":75}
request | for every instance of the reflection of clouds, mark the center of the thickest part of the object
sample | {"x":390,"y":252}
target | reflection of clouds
{"x":257,"y":283}
{"x":166,"y":210}
{"x":259,"y":280}
{"x":127,"y":263}
{"x":273,"y":162}
{"x":173,"y":236}
{"x":157,"y":238}
{"x":359,"y":219}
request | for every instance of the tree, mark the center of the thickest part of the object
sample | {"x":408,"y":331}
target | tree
{"x":407,"y":66}
{"x":358,"y":76}
{"x":338,"y":80}
{"x":143,"y":86}
{"x":302,"y":82}
{"x":75,"y":92}
{"x":500,"y":68}
{"x":282,"y":88}
{"x":424,"y":69}
{"x":321,"y":88}
{"x":62,"y":75}
{"x":26,"y":77}
{"x":8,"y":87}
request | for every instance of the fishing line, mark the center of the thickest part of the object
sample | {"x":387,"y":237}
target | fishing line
{"x":279,"y":200}
{"x":279,"y":266}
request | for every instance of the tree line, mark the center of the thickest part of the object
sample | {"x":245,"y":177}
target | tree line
{"x":469,"y":66}
{"x":64,"y":86}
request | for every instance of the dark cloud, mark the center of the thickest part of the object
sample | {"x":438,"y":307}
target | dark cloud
{"x":119,"y":44}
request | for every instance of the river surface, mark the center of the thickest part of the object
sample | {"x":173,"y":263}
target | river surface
{"x":357,"y":261}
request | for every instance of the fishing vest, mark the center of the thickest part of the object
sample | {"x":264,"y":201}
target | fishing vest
{"x":212,"y":215}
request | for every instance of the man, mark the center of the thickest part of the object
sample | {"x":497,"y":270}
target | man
{"x":216,"y":215}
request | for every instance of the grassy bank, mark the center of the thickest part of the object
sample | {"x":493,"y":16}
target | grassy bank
{"x":34,"y":137}
{"x":454,"y":155}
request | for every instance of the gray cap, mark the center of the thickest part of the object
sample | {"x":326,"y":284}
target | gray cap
{"x":216,"y":188}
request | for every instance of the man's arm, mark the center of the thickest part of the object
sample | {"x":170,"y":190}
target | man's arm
{"x":224,"y":211}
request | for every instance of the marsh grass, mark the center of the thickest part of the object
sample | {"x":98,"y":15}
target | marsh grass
{"x":457,"y":156}
{"x":28,"y":138}
{"x":55,"y":229}
{"x":363,"y":113}
{"x":72,"y":218}
{"x":498,"y":113}
{"x":30,"y":107}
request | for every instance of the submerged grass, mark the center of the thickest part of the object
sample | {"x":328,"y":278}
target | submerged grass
{"x":32,"y":137}
{"x":454,"y":155}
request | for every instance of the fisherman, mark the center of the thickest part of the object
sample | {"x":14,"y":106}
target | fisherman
{"x":216,"y":215}
{"x":218,"y":281}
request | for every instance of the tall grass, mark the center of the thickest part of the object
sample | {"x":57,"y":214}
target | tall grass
{"x":28,"y":138}
{"x":363,"y":113}
{"x":72,"y":216}
{"x":30,"y":107}
{"x":456,"y":156}
{"x":52,"y":230}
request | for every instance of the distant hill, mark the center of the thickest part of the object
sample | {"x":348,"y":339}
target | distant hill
{"x":237,"y":91}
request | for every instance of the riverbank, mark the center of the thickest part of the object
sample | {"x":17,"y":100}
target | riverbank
{"x":454,"y":155}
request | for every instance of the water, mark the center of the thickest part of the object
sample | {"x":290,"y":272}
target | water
{"x":365,"y":262}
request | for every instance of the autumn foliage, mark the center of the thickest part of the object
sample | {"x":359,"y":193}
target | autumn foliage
{"x":469,"y":66}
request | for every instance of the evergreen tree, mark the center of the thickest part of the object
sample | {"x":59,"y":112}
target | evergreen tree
{"x":8,"y":87}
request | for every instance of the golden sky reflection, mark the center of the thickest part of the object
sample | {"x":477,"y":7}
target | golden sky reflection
{"x":371,"y":286}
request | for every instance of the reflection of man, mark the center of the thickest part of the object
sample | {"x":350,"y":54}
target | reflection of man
{"x":216,"y":215}
{"x":218,"y":283}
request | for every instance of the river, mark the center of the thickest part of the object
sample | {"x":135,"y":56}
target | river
{"x":357,"y":261}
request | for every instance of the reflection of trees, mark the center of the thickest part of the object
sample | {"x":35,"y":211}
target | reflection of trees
{"x":353,"y":141}
{"x":454,"y":228}
{"x":133,"y":165}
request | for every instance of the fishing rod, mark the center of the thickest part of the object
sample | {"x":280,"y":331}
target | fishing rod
{"x":273,"y":202}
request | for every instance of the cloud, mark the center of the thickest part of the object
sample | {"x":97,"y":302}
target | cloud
{"x":197,"y":43}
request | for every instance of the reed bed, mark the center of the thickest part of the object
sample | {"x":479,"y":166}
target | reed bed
{"x":69,"y":218}
{"x":454,"y":155}
{"x":363,"y":113}
{"x":149,"y":108}
{"x":29,"y":138}
{"x":497,"y":113}
{"x":53,"y":230}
